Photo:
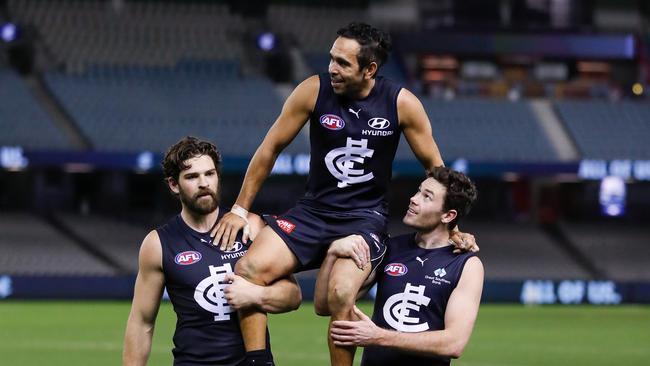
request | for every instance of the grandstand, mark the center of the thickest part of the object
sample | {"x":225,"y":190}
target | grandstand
{"x":24,"y":122}
{"x":30,"y":246}
{"x":620,"y":250}
{"x":84,"y":33}
{"x":605,"y":130}
{"x":460,"y":128}
{"x":133,"y":76}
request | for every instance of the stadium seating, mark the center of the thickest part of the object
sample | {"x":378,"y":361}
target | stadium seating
{"x":144,"y":108}
{"x":82,"y":33}
{"x":485,"y":130}
{"x":313,"y":28}
{"x":620,"y":250}
{"x":23,"y":122}
{"x":521,"y":251}
{"x":29,"y":246}
{"x":118,"y":240}
{"x":515,"y":251}
{"x":604,"y":130}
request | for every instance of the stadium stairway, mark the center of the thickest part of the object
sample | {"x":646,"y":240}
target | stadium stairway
{"x":563,"y":242}
{"x":57,"y":113}
{"x":62,"y":227}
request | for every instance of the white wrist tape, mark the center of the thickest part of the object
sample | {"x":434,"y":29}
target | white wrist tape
{"x":240,"y":211}
{"x":243,"y":213}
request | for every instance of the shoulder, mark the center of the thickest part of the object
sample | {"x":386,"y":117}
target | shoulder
{"x":311,"y":85}
{"x":151,"y":250}
{"x":472,"y":269}
{"x":305,"y":94}
{"x":409,"y":107}
{"x":407,"y":100}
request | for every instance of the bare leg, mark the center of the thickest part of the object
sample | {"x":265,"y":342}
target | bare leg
{"x":344,"y":284}
{"x":267,"y":260}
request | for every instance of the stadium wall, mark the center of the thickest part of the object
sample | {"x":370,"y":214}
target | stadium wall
{"x":528,"y":292}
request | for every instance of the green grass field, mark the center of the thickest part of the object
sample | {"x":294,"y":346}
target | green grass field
{"x":90,"y":333}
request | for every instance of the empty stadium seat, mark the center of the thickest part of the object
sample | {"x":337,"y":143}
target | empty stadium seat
{"x":485,"y":130}
{"x":23,"y":121}
{"x":606,"y":130}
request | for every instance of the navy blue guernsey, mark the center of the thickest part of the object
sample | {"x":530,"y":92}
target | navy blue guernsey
{"x":207,"y":329}
{"x":412,"y":294}
{"x":353,"y":144}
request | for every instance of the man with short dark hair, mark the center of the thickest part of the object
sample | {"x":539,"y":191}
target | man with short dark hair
{"x":356,"y":119}
{"x":427,"y":295}
{"x":198,"y":276}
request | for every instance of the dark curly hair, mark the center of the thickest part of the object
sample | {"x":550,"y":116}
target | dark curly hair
{"x":461,"y":192}
{"x":375,"y":43}
{"x":187,"y":148}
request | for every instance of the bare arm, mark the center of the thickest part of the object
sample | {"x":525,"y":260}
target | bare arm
{"x":417,"y":129}
{"x":460,"y":316}
{"x":146,"y":302}
{"x":294,"y":115}
{"x":280,"y":297}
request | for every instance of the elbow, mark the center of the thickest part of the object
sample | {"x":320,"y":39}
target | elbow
{"x":456,"y":350}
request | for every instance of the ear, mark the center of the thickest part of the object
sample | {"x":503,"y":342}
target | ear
{"x":449,"y":216}
{"x":370,"y":71}
{"x":173,"y":185}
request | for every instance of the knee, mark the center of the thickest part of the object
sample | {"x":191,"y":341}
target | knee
{"x":341,"y":297}
{"x":321,"y":308}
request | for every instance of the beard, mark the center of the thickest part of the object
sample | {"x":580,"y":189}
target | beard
{"x":200,"y":205}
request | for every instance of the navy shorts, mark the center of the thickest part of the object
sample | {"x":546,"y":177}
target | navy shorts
{"x":309,"y":231}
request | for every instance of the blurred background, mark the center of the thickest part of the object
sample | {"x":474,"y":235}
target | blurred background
{"x":545,"y":104}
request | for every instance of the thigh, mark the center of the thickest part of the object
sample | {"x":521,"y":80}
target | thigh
{"x":267,"y":259}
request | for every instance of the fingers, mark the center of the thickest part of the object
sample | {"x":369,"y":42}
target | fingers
{"x":342,"y":324}
{"x":343,"y":337}
{"x":230,"y":277}
{"x":463,"y":242}
{"x":366,"y":250}
{"x":363,"y":250}
{"x":246,"y":233}
{"x":217,"y":233}
{"x":225,"y":239}
{"x":360,"y":313}
{"x":357,"y":258}
{"x":360,"y":255}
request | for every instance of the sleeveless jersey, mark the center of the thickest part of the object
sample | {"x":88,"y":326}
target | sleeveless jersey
{"x":412,"y":293}
{"x":207,"y":329}
{"x":353,"y":144}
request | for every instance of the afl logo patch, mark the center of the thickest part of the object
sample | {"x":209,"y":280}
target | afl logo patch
{"x":332,"y":122}
{"x":379,"y":123}
{"x":187,"y":258}
{"x":237,"y":246}
{"x":396,"y":269}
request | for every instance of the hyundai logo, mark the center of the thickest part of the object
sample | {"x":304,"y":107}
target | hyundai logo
{"x":236,"y":247}
{"x":379,"y":123}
